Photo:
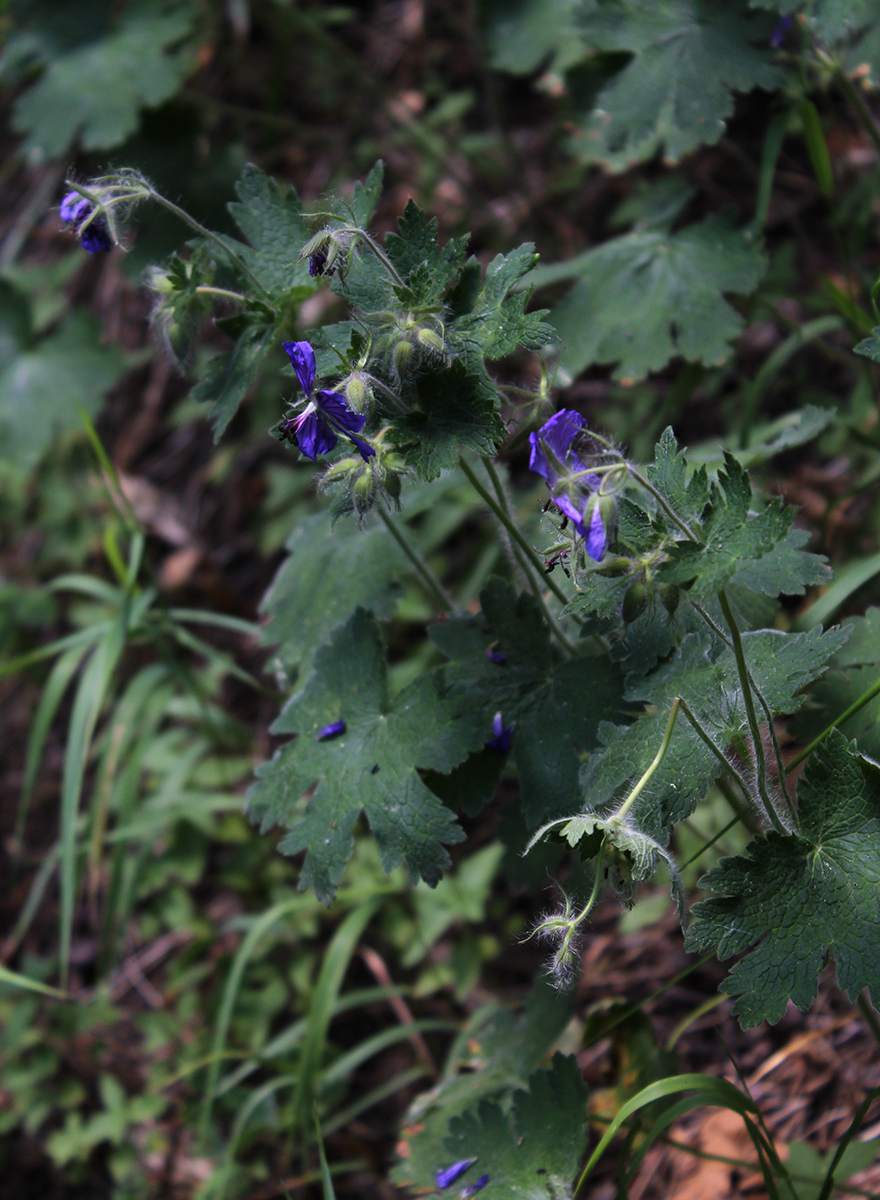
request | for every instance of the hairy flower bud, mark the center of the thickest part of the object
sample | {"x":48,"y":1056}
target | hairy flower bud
{"x":635,"y":601}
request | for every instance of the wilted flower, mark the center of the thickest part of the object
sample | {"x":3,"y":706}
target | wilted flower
{"x":475,"y":1187}
{"x":326,"y":415}
{"x":574,"y":488}
{"x":76,"y":210}
{"x":502,"y":735}
{"x":448,"y":1175}
{"x":330,"y":731}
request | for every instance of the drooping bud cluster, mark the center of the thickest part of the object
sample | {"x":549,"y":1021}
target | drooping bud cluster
{"x":410,"y":339}
{"x":361,"y":484}
{"x":328,"y":252}
{"x":93,"y":212}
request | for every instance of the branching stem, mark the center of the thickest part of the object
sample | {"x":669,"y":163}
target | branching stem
{"x":658,"y":759}
{"x":748,"y":700}
{"x":442,"y":600}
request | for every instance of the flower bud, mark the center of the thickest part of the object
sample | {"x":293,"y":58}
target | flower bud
{"x":392,"y":485}
{"x":669,"y":596}
{"x":635,"y":601}
{"x":431,"y":340}
{"x":357,"y":391}
{"x":403,"y":353}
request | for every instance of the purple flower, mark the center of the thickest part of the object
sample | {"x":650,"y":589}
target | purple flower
{"x":326,"y":415}
{"x":449,"y":1176}
{"x":496,"y":656}
{"x":502,"y":734}
{"x":330,"y":731}
{"x":777,"y":37}
{"x":475,"y":1187}
{"x":573,"y":487}
{"x":74,"y":210}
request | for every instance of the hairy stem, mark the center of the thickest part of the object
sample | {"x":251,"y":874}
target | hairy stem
{"x":526,"y":567}
{"x":658,"y":759}
{"x":663,"y":502}
{"x":748,"y":700}
{"x":859,"y":704}
{"x":442,"y":600}
{"x":184,"y":216}
{"x":719,"y":754}
{"x":511,"y":527}
{"x":224,"y":292}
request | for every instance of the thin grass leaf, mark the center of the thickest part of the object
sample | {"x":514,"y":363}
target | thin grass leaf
{"x":53,"y":692}
{"x":230,"y":994}
{"x":13,"y":979}
{"x":90,"y":697}
{"x":347,"y":1064}
{"x":724,"y":1094}
{"x":191,"y":642}
{"x":83,"y":637}
{"x":400,"y":1081}
{"x":326,"y":1180}
{"x":201,"y":616}
{"x":333,"y":969}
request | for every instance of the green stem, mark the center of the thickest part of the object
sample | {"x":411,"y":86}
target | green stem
{"x":711,"y":842}
{"x":658,"y":759}
{"x":777,"y":751}
{"x":224,"y":292}
{"x":748,"y":699}
{"x":663,"y":502}
{"x":868,"y":696}
{"x":511,"y":528}
{"x":184,"y":216}
{"x":719,"y":754}
{"x":431,"y":583}
{"x":525,"y":566}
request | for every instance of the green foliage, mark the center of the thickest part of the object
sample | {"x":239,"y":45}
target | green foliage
{"x":328,"y":573}
{"x":534,"y":1151}
{"x":93,"y":92}
{"x":800,"y":896}
{"x":644,"y":298}
{"x":44,"y":382}
{"x":495,"y":1055}
{"x":675,"y":91}
{"x":370,"y":767}
{"x":556,"y":706}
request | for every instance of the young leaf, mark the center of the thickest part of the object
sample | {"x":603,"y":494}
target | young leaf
{"x":730,"y":537}
{"x":556,"y":706}
{"x":644,"y":298}
{"x":797,"y":897}
{"x":454,"y":412}
{"x":494,"y":320}
{"x":230,"y":376}
{"x":687,"y":57}
{"x":95,"y":92}
{"x":271,"y":217}
{"x":369,"y":765}
{"x":533,"y":1152}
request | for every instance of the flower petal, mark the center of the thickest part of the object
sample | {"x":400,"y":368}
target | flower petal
{"x":475,"y":1187}
{"x":450,"y":1174}
{"x":597,"y":538}
{"x":95,"y":237}
{"x":330,"y":731}
{"x":334,"y":406}
{"x":314,"y":436}
{"x":302,"y":356}
{"x":74,"y":208}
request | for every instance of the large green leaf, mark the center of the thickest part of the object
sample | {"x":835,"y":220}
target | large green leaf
{"x":649,"y":296}
{"x":496,"y":1054}
{"x":230,"y":376}
{"x":675,"y":93}
{"x":95,"y":92}
{"x":556,"y":706}
{"x":795,"y":898}
{"x":533,"y":1152}
{"x":42,"y":384}
{"x":319,"y":787}
{"x":328,"y":573}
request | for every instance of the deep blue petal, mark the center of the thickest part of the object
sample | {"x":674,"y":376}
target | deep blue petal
{"x":314,"y":436}
{"x":597,"y":539}
{"x":330,"y":731}
{"x":501,"y":741}
{"x":450,"y":1174}
{"x":334,"y":406}
{"x":556,"y":437}
{"x":95,"y":237}
{"x":496,"y":656}
{"x":74,"y":208}
{"x":302,"y":356}
{"x":475,"y":1187}
{"x":364,"y":449}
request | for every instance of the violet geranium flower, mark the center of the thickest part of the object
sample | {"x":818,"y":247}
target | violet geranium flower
{"x":501,"y":735}
{"x":448,"y":1176}
{"x":74,"y":210}
{"x":316,"y":430}
{"x":573,"y":488}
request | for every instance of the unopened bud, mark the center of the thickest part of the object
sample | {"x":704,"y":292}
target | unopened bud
{"x":392,"y":486}
{"x":341,"y":469}
{"x":634,"y":603}
{"x":356,"y":392}
{"x":430,"y":340}
{"x":403,"y":352}
{"x":669,"y":596}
